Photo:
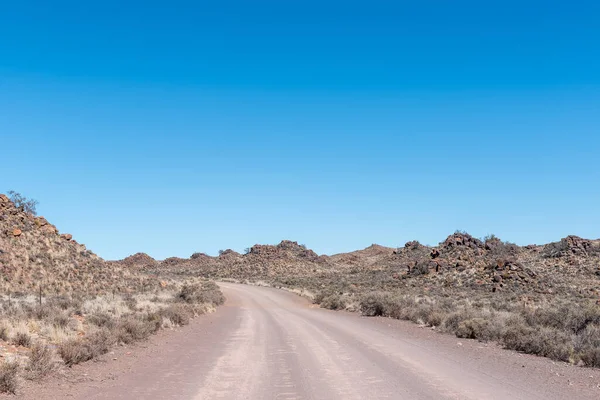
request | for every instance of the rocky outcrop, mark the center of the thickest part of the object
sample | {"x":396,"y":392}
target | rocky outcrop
{"x":571,"y":246}
{"x":578,"y":246}
{"x":286,"y":249}
{"x":173,"y":261}
{"x":229,"y":253}
{"x":413,"y":245}
{"x":138,"y":260}
{"x":460,"y":239}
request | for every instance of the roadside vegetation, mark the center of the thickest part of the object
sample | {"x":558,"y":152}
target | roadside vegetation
{"x":61,"y":305}
{"x":60,"y":331}
{"x":561,"y":329}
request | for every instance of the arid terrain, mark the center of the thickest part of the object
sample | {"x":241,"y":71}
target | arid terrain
{"x":265,"y":343}
{"x":537,"y":299}
{"x":62,"y":305}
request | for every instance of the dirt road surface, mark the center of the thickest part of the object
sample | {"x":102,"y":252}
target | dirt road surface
{"x":270,"y":344}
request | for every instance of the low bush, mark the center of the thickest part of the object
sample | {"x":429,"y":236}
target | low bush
{"x":207,"y":292}
{"x":41,"y":362}
{"x":587,"y":345}
{"x":473,"y":328}
{"x":60,"y":319}
{"x":132,"y":329}
{"x":41,"y":312}
{"x":178,"y":314}
{"x":75,"y":351}
{"x":102,"y":320}
{"x":375,"y":304}
{"x":64,"y":303}
{"x":333,"y":302}
{"x":547,"y":342}
{"x":22,"y":339}
{"x":8,"y":377}
{"x":100,"y":342}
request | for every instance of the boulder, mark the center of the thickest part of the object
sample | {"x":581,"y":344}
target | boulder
{"x":460,"y":239}
{"x":41,"y":221}
{"x":49,"y":228}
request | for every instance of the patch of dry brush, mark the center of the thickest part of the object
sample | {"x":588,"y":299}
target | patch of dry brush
{"x":64,"y":331}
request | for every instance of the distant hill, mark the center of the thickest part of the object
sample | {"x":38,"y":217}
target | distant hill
{"x":460,"y":261}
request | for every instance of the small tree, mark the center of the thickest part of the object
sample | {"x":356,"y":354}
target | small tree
{"x":23,"y":203}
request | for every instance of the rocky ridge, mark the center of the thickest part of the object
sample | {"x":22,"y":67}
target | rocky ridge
{"x":460,"y":261}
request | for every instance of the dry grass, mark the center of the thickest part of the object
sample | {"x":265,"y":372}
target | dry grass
{"x":82,"y":328}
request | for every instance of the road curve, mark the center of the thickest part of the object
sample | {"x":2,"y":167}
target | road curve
{"x":270,"y":344}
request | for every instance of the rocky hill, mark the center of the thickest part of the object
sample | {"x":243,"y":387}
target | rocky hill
{"x":461,"y":261}
{"x":138,"y":261}
{"x":34,"y":253}
{"x":260,"y":262}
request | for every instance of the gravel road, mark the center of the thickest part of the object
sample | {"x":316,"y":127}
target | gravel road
{"x":270,"y":344}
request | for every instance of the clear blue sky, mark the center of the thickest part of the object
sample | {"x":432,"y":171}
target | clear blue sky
{"x":175,"y":127}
